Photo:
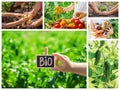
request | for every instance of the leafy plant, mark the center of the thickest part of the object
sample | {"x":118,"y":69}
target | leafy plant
{"x":6,"y":6}
{"x":114,"y":23}
{"x":104,"y":73}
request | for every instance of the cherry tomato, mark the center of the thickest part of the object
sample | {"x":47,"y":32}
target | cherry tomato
{"x":70,"y":25}
{"x":77,"y":21}
{"x":67,"y":20}
{"x":62,"y":23}
{"x":57,"y":25}
{"x":72,"y":19}
{"x":80,"y":26}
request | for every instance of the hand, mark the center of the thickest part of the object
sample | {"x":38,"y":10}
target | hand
{"x":65,"y":63}
{"x":69,"y":66}
{"x":105,"y":13}
{"x":13,"y":24}
{"x":36,"y":8}
{"x":32,"y":25}
{"x":80,"y":15}
{"x":17,"y":15}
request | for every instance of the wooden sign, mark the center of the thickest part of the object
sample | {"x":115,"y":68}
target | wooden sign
{"x":45,"y":60}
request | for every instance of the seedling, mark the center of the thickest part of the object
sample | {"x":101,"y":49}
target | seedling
{"x":45,"y":60}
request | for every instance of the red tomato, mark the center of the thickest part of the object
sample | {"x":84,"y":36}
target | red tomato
{"x":57,"y":25}
{"x":77,"y":21}
{"x":72,"y":19}
{"x":75,"y":27}
{"x":80,"y":26}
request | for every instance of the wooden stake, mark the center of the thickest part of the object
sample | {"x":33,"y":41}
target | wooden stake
{"x":46,"y":50}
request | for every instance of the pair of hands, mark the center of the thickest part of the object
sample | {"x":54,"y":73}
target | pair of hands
{"x":105,"y":13}
{"x":20,"y":20}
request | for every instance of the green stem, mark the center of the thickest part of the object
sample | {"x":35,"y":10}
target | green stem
{"x":103,"y":56}
{"x":115,"y":45}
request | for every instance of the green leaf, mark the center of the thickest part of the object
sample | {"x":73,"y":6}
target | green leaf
{"x":48,"y":16}
{"x":91,"y":55}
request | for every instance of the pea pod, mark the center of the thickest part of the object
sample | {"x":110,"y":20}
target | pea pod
{"x":107,"y":70}
{"x":97,"y":57}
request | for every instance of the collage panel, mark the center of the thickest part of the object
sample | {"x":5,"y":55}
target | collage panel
{"x":103,"y":9}
{"x":22,"y":15}
{"x":103,"y":28}
{"x":65,"y":15}
{"x":103,"y":64}
{"x":19,"y":51}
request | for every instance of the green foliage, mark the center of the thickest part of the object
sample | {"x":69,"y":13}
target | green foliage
{"x":101,"y":44}
{"x":50,"y":16}
{"x":19,"y":50}
{"x":105,"y":73}
{"x":115,"y":23}
{"x":6,"y":6}
{"x":106,"y":6}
